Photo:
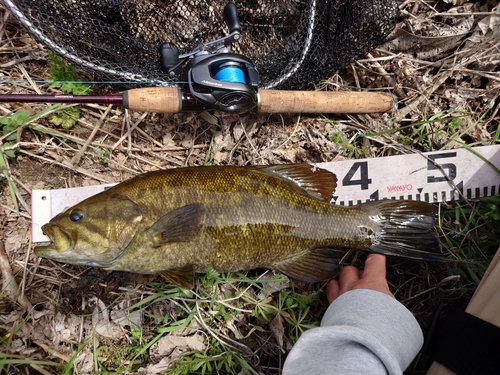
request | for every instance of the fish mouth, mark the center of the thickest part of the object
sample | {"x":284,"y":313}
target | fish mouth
{"x":61,"y":241}
{"x":62,"y":248}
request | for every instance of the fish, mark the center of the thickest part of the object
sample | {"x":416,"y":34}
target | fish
{"x":177,"y":222}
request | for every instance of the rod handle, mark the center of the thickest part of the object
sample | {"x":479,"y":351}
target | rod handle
{"x":170,"y":100}
{"x":153,"y":99}
{"x":281,"y":101}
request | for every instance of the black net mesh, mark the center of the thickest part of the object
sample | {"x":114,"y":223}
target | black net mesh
{"x":293,"y":43}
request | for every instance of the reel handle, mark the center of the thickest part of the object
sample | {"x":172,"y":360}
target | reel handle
{"x":231,"y":18}
{"x":173,"y":100}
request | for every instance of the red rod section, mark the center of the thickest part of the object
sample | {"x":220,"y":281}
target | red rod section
{"x":34,"y":98}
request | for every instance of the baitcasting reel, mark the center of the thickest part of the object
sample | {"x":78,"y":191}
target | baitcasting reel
{"x":216,"y":77}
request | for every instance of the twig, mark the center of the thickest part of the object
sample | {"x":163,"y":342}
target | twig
{"x":136,"y":124}
{"x":399,"y":92}
{"x":53,"y":352}
{"x":466,"y":14}
{"x":79,"y":154}
{"x":40,"y":369}
{"x":129,"y":131}
{"x":25,"y":215}
{"x":25,"y":73}
{"x":16,"y":61}
{"x":4,"y":24}
{"x":441,"y":283}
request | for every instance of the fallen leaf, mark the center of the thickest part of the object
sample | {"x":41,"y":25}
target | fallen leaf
{"x":276,"y":326}
{"x":101,"y":322}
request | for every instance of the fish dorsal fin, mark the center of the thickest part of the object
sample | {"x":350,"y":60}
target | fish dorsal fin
{"x":318,"y":183}
{"x":179,"y":225}
{"x":182,"y":276}
{"x":315,"y":265}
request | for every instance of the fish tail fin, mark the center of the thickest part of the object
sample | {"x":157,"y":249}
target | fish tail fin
{"x":406,"y":229}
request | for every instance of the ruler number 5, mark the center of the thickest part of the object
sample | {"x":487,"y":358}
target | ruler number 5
{"x":363,"y":180}
{"x":432,"y":164}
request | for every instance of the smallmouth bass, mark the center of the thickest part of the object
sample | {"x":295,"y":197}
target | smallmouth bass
{"x":179,"y":221}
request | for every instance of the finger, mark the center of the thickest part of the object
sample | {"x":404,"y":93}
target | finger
{"x":332,"y":290}
{"x":375,"y":267}
{"x":374,"y":275}
{"x":348,"y":278}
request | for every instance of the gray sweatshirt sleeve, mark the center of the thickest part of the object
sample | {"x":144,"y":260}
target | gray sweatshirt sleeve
{"x":362,"y":332}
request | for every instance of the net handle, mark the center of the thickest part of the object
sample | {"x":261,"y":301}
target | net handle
{"x":172,"y":100}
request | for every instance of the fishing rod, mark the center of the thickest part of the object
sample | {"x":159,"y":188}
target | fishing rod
{"x":175,"y":100}
{"x":221,"y":80}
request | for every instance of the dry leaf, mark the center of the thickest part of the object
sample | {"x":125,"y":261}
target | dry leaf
{"x":276,"y":326}
{"x":124,"y":317}
{"x":101,"y":322}
{"x":269,"y":288}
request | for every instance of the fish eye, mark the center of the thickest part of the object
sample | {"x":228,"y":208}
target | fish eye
{"x":75,"y":216}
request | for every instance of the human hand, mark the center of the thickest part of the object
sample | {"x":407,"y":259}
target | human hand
{"x":372,"y":277}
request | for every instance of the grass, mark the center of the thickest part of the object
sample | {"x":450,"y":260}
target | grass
{"x":471,"y":236}
{"x":224,"y":305}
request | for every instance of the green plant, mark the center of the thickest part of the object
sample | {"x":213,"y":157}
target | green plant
{"x":350,"y":147}
{"x":66,"y":118}
{"x":5,"y":175}
{"x":9,"y":126}
{"x":64,"y":77}
{"x":10,"y":123}
{"x":441,"y":131}
{"x":102,"y":154}
{"x":471,"y":236}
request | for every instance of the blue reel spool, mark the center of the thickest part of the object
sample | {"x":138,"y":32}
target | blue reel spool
{"x":231,"y":73}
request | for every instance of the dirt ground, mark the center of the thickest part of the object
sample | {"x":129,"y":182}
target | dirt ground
{"x":442,"y":58}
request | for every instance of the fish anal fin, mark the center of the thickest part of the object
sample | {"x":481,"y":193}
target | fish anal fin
{"x":315,"y":265}
{"x":179,"y":225}
{"x":318,"y":183}
{"x":182,"y":276}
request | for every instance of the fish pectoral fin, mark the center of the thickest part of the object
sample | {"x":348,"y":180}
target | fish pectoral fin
{"x":179,"y":225}
{"x":182,"y":276}
{"x":315,"y":265}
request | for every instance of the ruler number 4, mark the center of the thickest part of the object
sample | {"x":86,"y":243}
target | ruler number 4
{"x":432,"y":164}
{"x":363,"y":180}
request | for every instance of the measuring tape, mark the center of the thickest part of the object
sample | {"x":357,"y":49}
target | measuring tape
{"x":432,"y":177}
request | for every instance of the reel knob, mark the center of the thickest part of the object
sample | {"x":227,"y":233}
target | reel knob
{"x":231,"y":18}
{"x":169,"y":58}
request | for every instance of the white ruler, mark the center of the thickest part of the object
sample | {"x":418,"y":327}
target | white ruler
{"x":432,"y":177}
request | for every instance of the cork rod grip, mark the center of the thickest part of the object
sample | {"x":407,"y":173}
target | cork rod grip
{"x":278,"y":101}
{"x":170,"y":100}
{"x":153,"y":99}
